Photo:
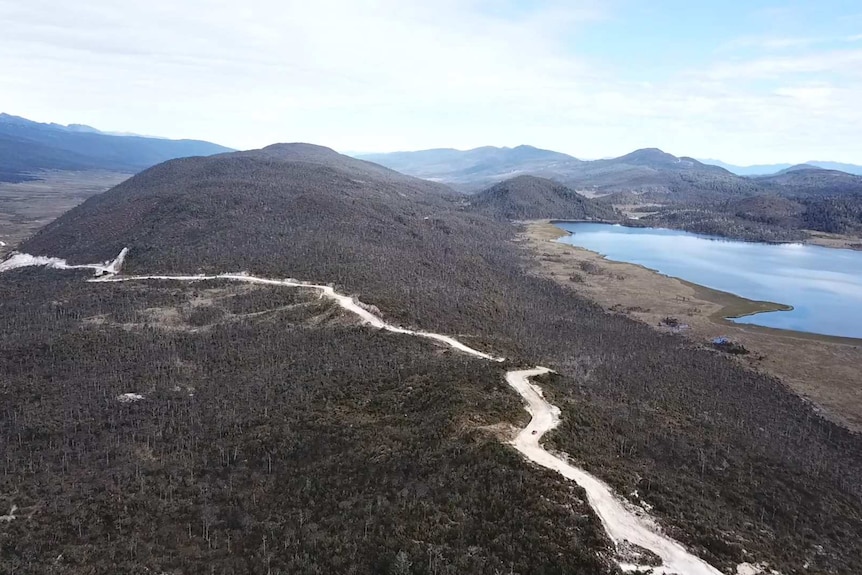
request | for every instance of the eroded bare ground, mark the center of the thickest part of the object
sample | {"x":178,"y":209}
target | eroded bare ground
{"x":822,"y":369}
{"x":25,"y":207}
{"x":201,"y":308}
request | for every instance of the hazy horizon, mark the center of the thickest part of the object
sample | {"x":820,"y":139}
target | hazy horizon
{"x":745,"y":83}
{"x":360,"y":153}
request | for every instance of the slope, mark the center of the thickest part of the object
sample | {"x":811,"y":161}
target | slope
{"x":530,"y":197}
{"x":774,"y":218}
{"x":659,"y":175}
{"x":27,"y":147}
{"x":807,"y":180}
{"x":286,"y":209}
{"x":639,"y":410}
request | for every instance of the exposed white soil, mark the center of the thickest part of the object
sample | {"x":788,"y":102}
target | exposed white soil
{"x":10,"y":516}
{"x":625,"y":523}
{"x":622,"y":522}
{"x":18,"y":260}
{"x":759,"y":569}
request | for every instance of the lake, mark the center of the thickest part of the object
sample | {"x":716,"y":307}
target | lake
{"x":823,"y":285}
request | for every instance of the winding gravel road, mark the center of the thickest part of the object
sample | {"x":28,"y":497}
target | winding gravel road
{"x":623,"y":522}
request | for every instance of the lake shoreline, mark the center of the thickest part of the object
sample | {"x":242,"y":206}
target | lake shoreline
{"x":734,"y":306}
{"x":820,"y":369}
{"x":819,"y":289}
{"x":815,"y":238}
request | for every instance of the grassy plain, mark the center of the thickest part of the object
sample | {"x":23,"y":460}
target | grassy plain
{"x":27,"y":206}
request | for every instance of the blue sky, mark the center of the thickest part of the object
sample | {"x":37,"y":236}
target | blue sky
{"x":745,"y":82}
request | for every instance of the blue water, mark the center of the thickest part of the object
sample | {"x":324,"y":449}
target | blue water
{"x":823,"y":285}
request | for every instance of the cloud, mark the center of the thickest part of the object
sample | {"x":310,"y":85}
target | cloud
{"x":769,"y":43}
{"x":784,"y":43}
{"x":836,"y":61}
{"x":406,"y":74}
{"x":287,"y":57}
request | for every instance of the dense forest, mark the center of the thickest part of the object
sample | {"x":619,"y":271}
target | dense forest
{"x":764,"y":218}
{"x":314,"y":445}
{"x":273,"y":436}
{"x":531,"y":198}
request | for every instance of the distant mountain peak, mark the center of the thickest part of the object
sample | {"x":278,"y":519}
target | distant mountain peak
{"x":799,"y":167}
{"x":297,"y":145}
{"x":299,"y":152}
{"x":471,"y":170}
{"x":529,"y":178}
{"x":649,"y":156}
{"x":83,"y":128}
{"x":28,"y":147}
{"x":291,"y":149}
{"x":10,"y":119}
{"x":656,"y":159}
{"x":18,"y":120}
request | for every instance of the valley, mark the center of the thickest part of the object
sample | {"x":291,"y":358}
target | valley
{"x":27,"y":206}
{"x":47,"y":169}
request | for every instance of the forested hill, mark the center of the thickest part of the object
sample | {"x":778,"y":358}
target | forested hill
{"x":529,"y":197}
{"x":290,"y":209}
{"x":328,"y":445}
{"x":323,"y":156}
{"x":27,"y":147}
{"x":806,"y":180}
{"x":767,"y":217}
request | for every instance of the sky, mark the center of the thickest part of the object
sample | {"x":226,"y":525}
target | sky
{"x":744,"y":81}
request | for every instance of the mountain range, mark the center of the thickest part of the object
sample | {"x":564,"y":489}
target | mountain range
{"x":769,"y":169}
{"x":28,"y":147}
{"x":647,"y":172}
{"x":474,"y":169}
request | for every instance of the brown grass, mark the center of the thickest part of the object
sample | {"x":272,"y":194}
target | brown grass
{"x":822,"y":369}
{"x":842,"y":241}
{"x":25,"y":207}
